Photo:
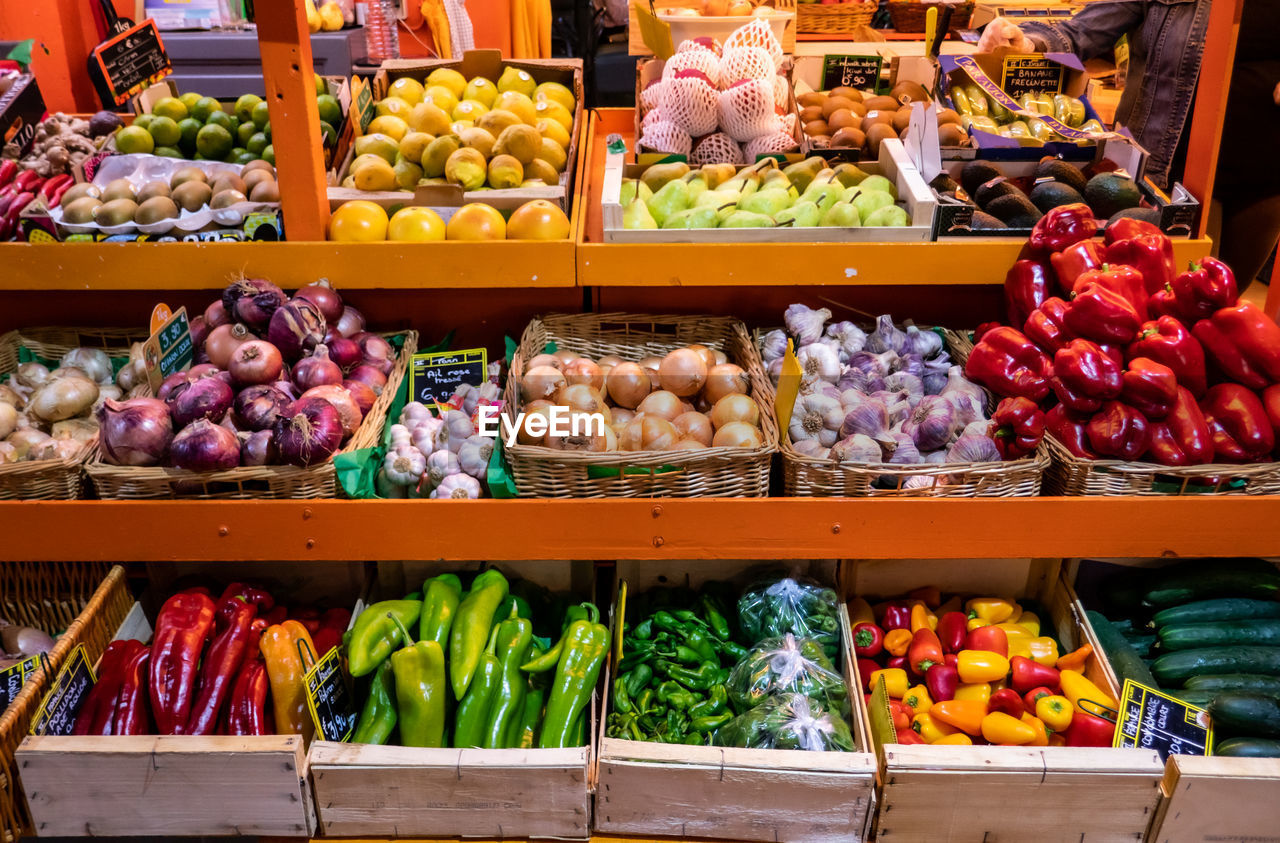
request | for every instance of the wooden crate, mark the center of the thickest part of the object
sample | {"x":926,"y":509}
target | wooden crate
{"x":727,"y":793}
{"x":1218,"y":799}
{"x":392,"y":791}
{"x":996,"y":794}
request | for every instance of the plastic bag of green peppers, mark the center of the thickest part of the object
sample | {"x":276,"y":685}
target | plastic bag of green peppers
{"x":791,"y":721}
{"x":780,"y":606}
{"x":787,"y":665}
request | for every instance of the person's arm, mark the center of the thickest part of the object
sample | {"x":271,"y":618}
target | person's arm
{"x":1092,"y":32}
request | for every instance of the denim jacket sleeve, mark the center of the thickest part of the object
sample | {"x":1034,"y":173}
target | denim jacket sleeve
{"x":1092,"y":32}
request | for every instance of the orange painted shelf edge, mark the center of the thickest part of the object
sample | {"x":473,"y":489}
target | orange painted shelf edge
{"x":958,"y":262}
{"x":762,"y":528}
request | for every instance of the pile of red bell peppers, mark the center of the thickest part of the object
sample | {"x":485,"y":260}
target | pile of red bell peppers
{"x":977,"y":671}
{"x":18,"y":190}
{"x":1118,"y":355}
{"x":204,"y":672}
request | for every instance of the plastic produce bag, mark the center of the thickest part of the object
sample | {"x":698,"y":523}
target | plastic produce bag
{"x":787,"y":665}
{"x":792,"y":721}
{"x":777,"y":607}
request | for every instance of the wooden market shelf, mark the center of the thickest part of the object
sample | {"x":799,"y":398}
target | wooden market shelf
{"x":764,"y":528}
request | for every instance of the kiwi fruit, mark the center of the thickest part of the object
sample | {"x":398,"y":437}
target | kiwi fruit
{"x":227,"y":181}
{"x":950,"y":134}
{"x":257,"y":165}
{"x":226,"y":198}
{"x":115,"y":212}
{"x":256,"y":177}
{"x":982,"y":220}
{"x":79,"y":211}
{"x":266,"y":190}
{"x":81,"y":190}
{"x":902,"y":118}
{"x":909,"y":91}
{"x":858,"y":109}
{"x":1050,"y":194}
{"x":187,"y":174}
{"x":811,"y":98}
{"x":989,"y":191}
{"x":1059,"y":170}
{"x":848,"y":93}
{"x":834,"y":104}
{"x":842,"y":119}
{"x":156,"y":209}
{"x":881,"y":103}
{"x":850,"y":138}
{"x":975,"y":173}
{"x":193,"y":195}
{"x":810,"y":113}
{"x":119,"y":189}
{"x":946,"y":115}
{"x":817,"y":127}
{"x":1014,"y":210}
{"x":877,"y":133}
{"x":151,"y":190}
{"x":874,"y":117}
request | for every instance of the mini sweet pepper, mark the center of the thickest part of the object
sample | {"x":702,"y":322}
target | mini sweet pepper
{"x":895,"y":681}
{"x":931,"y":729}
{"x":981,"y":666}
{"x":925,"y":651}
{"x":1076,"y":687}
{"x":1027,"y":674}
{"x":965,"y":715}
{"x":990,"y":639}
{"x":1001,"y":728}
{"x":1056,"y":712}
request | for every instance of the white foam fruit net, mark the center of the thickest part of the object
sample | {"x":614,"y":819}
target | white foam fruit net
{"x":745,"y":63}
{"x":654,"y":115}
{"x":704,"y":42}
{"x":746,"y":110}
{"x":780,"y":92}
{"x":769,"y":144}
{"x":757,"y":33}
{"x":664,"y":136}
{"x":690,"y":102}
{"x":703,"y":60}
{"x":651,"y":95}
{"x":717,"y":148}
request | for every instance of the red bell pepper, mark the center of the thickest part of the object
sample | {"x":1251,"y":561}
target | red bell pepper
{"x":1076,"y":260}
{"x":1100,"y":314}
{"x":1118,"y":431}
{"x":1204,"y":288}
{"x":1009,"y":364}
{"x":1030,"y":698}
{"x":1183,"y":437}
{"x":1151,"y":255}
{"x":896,"y":616}
{"x":925,"y":650}
{"x":1126,"y":228}
{"x":981,"y":331}
{"x":1238,"y":423}
{"x":908,"y":736}
{"x":1068,"y":428}
{"x":132,"y":714}
{"x":183,"y":626}
{"x":223,"y":661}
{"x":1244,"y":342}
{"x":865,"y":668}
{"x":1149,"y":387}
{"x":942,"y":680}
{"x":1162,"y":303}
{"x":1046,"y":325}
{"x":896,"y":661}
{"x":1089,"y":730}
{"x":1166,"y":340}
{"x":248,"y":714}
{"x":1027,"y":674}
{"x":1125,"y":281}
{"x":1084,"y":376}
{"x":1006,"y":700}
{"x":97,"y":713}
{"x":1063,"y":226}
{"x":952,"y":629}
{"x":868,"y":640}
{"x":1027,"y":284}
{"x":1017,"y":427}
{"x":1270,"y":403}
{"x":990,"y":638}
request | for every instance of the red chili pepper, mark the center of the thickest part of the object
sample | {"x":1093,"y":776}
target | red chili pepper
{"x":868,"y":640}
{"x":1030,"y":697}
{"x":1069,"y":429}
{"x":182,"y":628}
{"x":27,"y":181}
{"x":1089,"y":730}
{"x":1045,"y":326}
{"x":1063,"y":226}
{"x":56,"y":199}
{"x":908,"y":736}
{"x":942,"y":680}
{"x":925,"y":650}
{"x":1118,"y":431}
{"x":97,"y":714}
{"x":1149,"y":387}
{"x":1166,"y":340}
{"x":1203,"y":289}
{"x":1009,"y":364}
{"x":8,"y":171}
{"x":17,"y":206}
{"x":1084,"y":376}
{"x":53,"y":185}
{"x":1244,"y":342}
{"x":1151,"y":255}
{"x":261,"y":600}
{"x":132,"y":715}
{"x":953,"y":627}
{"x":1126,"y":228}
{"x":1101,"y":314}
{"x":1027,"y":284}
{"x":1076,"y":260}
{"x":990,"y":638}
{"x":1027,"y":674}
{"x":1238,"y":423}
{"x":225,"y":656}
{"x":1017,"y":427}
{"x":1183,"y":437}
{"x":248,"y":715}
{"x":896,"y":616}
{"x":1007,"y":701}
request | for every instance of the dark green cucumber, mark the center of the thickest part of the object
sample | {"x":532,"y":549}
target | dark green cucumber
{"x":1222,"y":578}
{"x":1247,"y":748}
{"x":1142,"y":644}
{"x":1235,"y":682}
{"x":1125,"y":660}
{"x":1200,"y":699}
{"x":1223,"y":609}
{"x":1246,"y":713}
{"x":1173,"y":669}
{"x":1190,"y":636}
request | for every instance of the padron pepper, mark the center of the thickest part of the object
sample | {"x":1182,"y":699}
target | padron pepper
{"x":1101,"y":314}
{"x":1244,"y":343}
{"x":1084,"y":376}
{"x":289,"y":654}
{"x":421,"y":688}
{"x":183,"y":626}
{"x":1149,"y":387}
{"x":472,"y":716}
{"x":378,"y":716}
{"x":471,"y":627}
{"x":515,"y":635}
{"x":440,"y":598}
{"x":1150,"y":254}
{"x":1046,"y":325}
{"x":1009,"y":364}
{"x":1166,"y":340}
{"x":584,"y":653}
{"x":375,"y":635}
{"x":1203,"y":289}
{"x":1017,"y":427}
{"x":1118,"y":431}
{"x":1238,"y":424}
{"x":1026,"y":285}
{"x":1074,"y":261}
{"x":1062,"y":227}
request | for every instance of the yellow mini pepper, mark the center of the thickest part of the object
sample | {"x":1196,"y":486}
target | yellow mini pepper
{"x":896,"y":641}
{"x":1019,"y":639}
{"x":976,"y":623}
{"x":958,"y":739}
{"x":1056,"y":712}
{"x":1031,"y":621}
{"x":1043,"y":650}
{"x":895,"y":681}
{"x":1042,"y":733}
{"x":921,"y":617}
{"x":917,"y":699}
{"x":1076,"y":687}
{"x":975,"y":691}
{"x":991,"y":609}
{"x":1001,"y":728}
{"x":860,"y":612}
{"x":981,"y":666}
{"x":931,"y":729}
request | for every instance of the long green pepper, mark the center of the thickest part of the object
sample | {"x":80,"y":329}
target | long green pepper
{"x":473,"y":712}
{"x":471,"y":627}
{"x":374,"y":635}
{"x":441,"y":596}
{"x":421,"y":687}
{"x":378,"y":717}
{"x":515,"y":634}
{"x":586,"y":646}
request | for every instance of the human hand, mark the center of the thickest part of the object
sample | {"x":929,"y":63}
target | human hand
{"x":1002,"y":32}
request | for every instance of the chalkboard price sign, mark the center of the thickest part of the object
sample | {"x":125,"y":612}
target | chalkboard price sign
{"x":170,"y":347}
{"x":851,"y":72}
{"x":436,"y":374}
{"x":1025,"y":73}
{"x":57,"y":714}
{"x":13,"y":677}
{"x":132,"y":60}
{"x":329,"y":698}
{"x":1150,"y":719}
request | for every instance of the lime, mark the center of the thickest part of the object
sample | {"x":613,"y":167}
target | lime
{"x":165,"y":131}
{"x":214,"y":141}
{"x":170,"y":107}
{"x":132,"y":139}
{"x":168,"y":152}
{"x":269,"y":155}
{"x":190,"y":99}
{"x":245,"y":131}
{"x":261,"y":115}
{"x":205,"y":107}
{"x":243,"y":157}
{"x":266,"y":130}
{"x":330,"y":111}
{"x":223,"y":119}
{"x":322,"y":87}
{"x":329,"y":134}
{"x":235,"y":153}
{"x":189,"y":127}
{"x":257,"y":143}
{"x":245,"y":105}
{"x":142,"y":121}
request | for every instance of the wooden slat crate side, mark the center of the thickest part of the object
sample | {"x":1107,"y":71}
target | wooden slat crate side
{"x":167,"y":785}
{"x":1196,"y":789}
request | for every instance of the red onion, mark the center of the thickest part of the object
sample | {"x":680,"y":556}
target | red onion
{"x":257,"y":361}
{"x":252,"y":301}
{"x":259,"y":407}
{"x":169,"y":384}
{"x":378,"y":353}
{"x":323,"y":297}
{"x":201,"y":370}
{"x":351,"y":321}
{"x":223,"y":340}
{"x":348,"y":410}
{"x":206,"y":398}
{"x":200,"y":329}
{"x":204,"y":446}
{"x":372,"y":377}
{"x":258,"y":448}
{"x":201,"y":356}
{"x":362,"y":394}
{"x":310,"y":433}
{"x":215,"y":314}
{"x":344,"y":352}
{"x":134,"y":432}
{"x":296,"y":327}
{"x":316,"y":370}
{"x":287,"y":389}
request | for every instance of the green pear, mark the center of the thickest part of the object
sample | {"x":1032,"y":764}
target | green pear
{"x":636,"y":216}
{"x":745,"y":182}
{"x":869,"y":201}
{"x":775,"y":178}
{"x":803,"y":172}
{"x":746,"y":219}
{"x":697,"y":182}
{"x":803,"y":214}
{"x":879,"y":183}
{"x":693,"y":218}
{"x":631,"y":188}
{"x":659,"y":174}
{"x":718,"y":174}
{"x":673,"y":197}
{"x":768,"y":201}
{"x":849,"y":174}
{"x":716,"y":198}
{"x":841,"y":215}
{"x":824,"y":195}
{"x":889,"y":215}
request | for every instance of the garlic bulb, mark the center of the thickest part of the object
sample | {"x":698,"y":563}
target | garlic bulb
{"x":816,"y":416}
{"x":819,"y":361}
{"x":95,"y":363}
{"x":935,"y":457}
{"x":811,"y":448}
{"x":931,"y":423}
{"x":973,"y":447}
{"x":8,"y":420}
{"x":871,"y":417}
{"x":908,"y":386}
{"x":473,"y":456}
{"x":925,"y":343}
{"x":886,"y":336}
{"x":850,"y":337}
{"x":441,"y":464}
{"x":456,"y":429}
{"x":773,"y":345}
{"x":457,"y":486}
{"x":857,"y":448}
{"x":404,"y":465}
{"x":805,"y":323}
{"x":968,"y":399}
{"x":905,"y":451}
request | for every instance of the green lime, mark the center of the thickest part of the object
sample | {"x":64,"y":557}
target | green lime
{"x":165,"y":131}
{"x":261,"y":114}
{"x":257,"y":143}
{"x":168,"y":152}
{"x":322,"y":87}
{"x":171,"y":107}
{"x":329,"y":134}
{"x":190,"y":99}
{"x":330,"y":111}
{"x":189,"y":127}
{"x":132,"y":139}
{"x":266,"y":130}
{"x":235,"y":153}
{"x":214,"y":142}
{"x":269,"y":155}
{"x":223,"y":119}
{"x":142,"y":121}
{"x":245,"y":106}
{"x":244,"y":157}
{"x":244,"y":131}
{"x":205,"y":107}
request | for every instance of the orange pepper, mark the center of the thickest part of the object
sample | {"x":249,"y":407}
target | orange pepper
{"x":958,"y":739}
{"x":896,"y":641}
{"x":922,"y":618}
{"x":998,"y":727}
{"x":965,"y":715}
{"x":289,"y":654}
{"x":1075,"y":659}
{"x":1042,"y":733}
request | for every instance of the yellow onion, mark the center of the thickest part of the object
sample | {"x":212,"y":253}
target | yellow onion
{"x":735,"y":408}
{"x":663,"y":404}
{"x":523,"y":436}
{"x":544,"y":360}
{"x":628,"y":385}
{"x":694,"y":426}
{"x":724,"y":379}
{"x":621,"y":415}
{"x":738,"y":435}
{"x":683,"y":372}
{"x":687,"y":445}
{"x":720,"y":356}
{"x":708,"y":356}
{"x":589,"y":437}
{"x":610,"y":360}
{"x":541,"y":382}
{"x":585,"y":371}
{"x":582,"y":398}
{"x":652,"y":365}
{"x":565,"y":356}
{"x":648,"y":433}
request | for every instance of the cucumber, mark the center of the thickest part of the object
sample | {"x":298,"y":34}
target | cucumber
{"x":1200,"y":699}
{"x":1223,"y":609}
{"x":1235,"y":682}
{"x":1173,"y":669}
{"x":1142,"y":644}
{"x":1263,"y":633}
{"x":1247,"y":748}
{"x":1226,"y":578}
{"x":1246,"y":713}
{"x":1124,"y":659}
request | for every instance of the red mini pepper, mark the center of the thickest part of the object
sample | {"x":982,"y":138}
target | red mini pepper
{"x":221,"y":663}
{"x":1009,"y":364}
{"x":896,"y":661}
{"x":866,"y":667}
{"x":1017,"y":426}
{"x":97,"y":713}
{"x":1076,"y":260}
{"x":1027,"y":674}
{"x":333,"y":623}
{"x":1006,"y":700}
{"x":1238,"y":423}
{"x":1084,"y":376}
{"x":1118,"y":431}
{"x":1182,"y":437}
{"x":1204,"y":288}
{"x":897,"y":616}
{"x":908,"y":736}
{"x":1027,"y":284}
{"x":1089,"y":730}
{"x":925,"y":650}
{"x":942,"y":680}
{"x":1244,"y":342}
{"x":1126,"y":228}
{"x":952,"y":629}
{"x":1101,"y":314}
{"x":132,"y":714}
{"x":1166,"y":340}
{"x":1046,"y":326}
{"x":248,"y":714}
{"x":1030,"y":698}
{"x":1149,"y":387}
{"x":183,"y":626}
{"x":990,"y":638}
{"x":1063,"y":226}
{"x":260,"y":599}
{"x":1069,"y":429}
{"x":1151,"y":255}
{"x":868,"y":640}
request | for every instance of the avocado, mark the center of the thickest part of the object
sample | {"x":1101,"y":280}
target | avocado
{"x":1050,"y":194}
{"x":1059,"y":170}
{"x":1108,"y":193}
{"x":943,"y":183}
{"x":983,"y":220}
{"x":1150,"y":215}
{"x":992,"y":190}
{"x":1014,"y":209}
{"x":977,"y":173}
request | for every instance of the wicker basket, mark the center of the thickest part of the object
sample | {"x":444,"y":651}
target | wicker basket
{"x":58,"y":479}
{"x":268,"y":482}
{"x":815,"y":18}
{"x":909,"y":16}
{"x":804,"y":476}
{"x":541,"y":472}
{"x":1070,"y":475}
{"x":89,"y":602}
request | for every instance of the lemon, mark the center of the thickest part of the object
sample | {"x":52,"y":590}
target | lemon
{"x":387,"y":124}
{"x":214,"y":142}
{"x":554,"y":130}
{"x":358,"y":221}
{"x":165,"y":131}
{"x":552,"y":110}
{"x":170,"y":107}
{"x":133,"y":139}
{"x":245,"y":131}
{"x":441,"y":96}
{"x":481,"y":90}
{"x":393,"y":107}
{"x":406,"y":88}
{"x":190,"y":99}
{"x":557,"y":92}
{"x":447,"y":77}
{"x":223,"y":119}
{"x":518,"y":104}
{"x":469,"y":110}
{"x":167,"y":152}
{"x":322,"y":87}
{"x":269,"y":155}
